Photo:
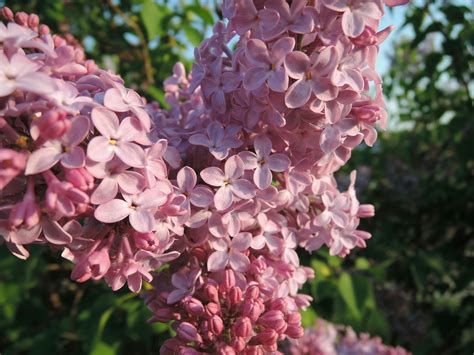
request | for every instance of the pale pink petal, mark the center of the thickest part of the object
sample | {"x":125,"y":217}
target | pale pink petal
{"x":99,"y":149}
{"x":298,"y":94}
{"x":241,"y":242}
{"x":106,"y":191}
{"x":239,"y":262}
{"x":263,"y":147}
{"x":131,"y":154}
{"x":199,"y":139}
{"x":296,"y":64}
{"x":234,"y":168}
{"x":352,"y":23}
{"x":255,"y":77}
{"x":112,"y":211}
{"x":223,"y":198}
{"x":278,"y":80}
{"x":250,"y":160}
{"x":176,"y":295}
{"x":131,"y":182}
{"x":201,"y":196}
{"x":114,"y":101}
{"x":213,"y":176}
{"x":105,"y":121}
{"x":42,"y":160}
{"x":278,"y":162}
{"x":243,"y":189}
{"x":55,"y":234}
{"x":186,"y":179}
{"x":142,"y":221}
{"x":217,"y":261}
{"x":280,"y":50}
{"x":80,"y":127}
{"x":74,"y":159}
{"x":262,"y":177}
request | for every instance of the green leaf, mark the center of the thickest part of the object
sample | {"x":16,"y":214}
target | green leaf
{"x":346,"y":290}
{"x":308,"y":317}
{"x":192,"y":34}
{"x":378,"y":325}
{"x":102,"y":348}
{"x":152,"y":16}
{"x":202,"y":12}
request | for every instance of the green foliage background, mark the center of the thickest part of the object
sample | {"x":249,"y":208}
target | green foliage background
{"x":413,"y":285}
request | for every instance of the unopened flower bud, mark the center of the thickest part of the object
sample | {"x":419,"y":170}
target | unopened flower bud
{"x":229,"y":279}
{"x":366,"y":211}
{"x":238,"y":344}
{"x":294,"y":318}
{"x":274,"y":319}
{"x":21,"y":18}
{"x":242,"y":327}
{"x":212,"y":308}
{"x":252,"y":310}
{"x":188,"y":332}
{"x":266,"y":337}
{"x":216,"y":325}
{"x":7,"y":13}
{"x":279,"y":304}
{"x":234,"y":296}
{"x":294,"y":331}
{"x":79,"y":178}
{"x":194,"y":307}
{"x":33,"y":21}
{"x":53,"y":124}
{"x":252,"y":292}
{"x":212,"y":293}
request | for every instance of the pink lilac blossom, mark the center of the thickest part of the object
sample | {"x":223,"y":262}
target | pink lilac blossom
{"x":223,"y":186}
{"x":325,"y":338}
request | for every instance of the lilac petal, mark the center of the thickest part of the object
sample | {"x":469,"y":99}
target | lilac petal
{"x":255,"y":77}
{"x":39,"y":83}
{"x":333,"y":111}
{"x":80,"y":127}
{"x":143,"y":117}
{"x":296,"y":64}
{"x":106,"y":122}
{"x":234,"y":168}
{"x":142,"y":221}
{"x":278,"y":162}
{"x":278,"y":80}
{"x":258,"y":242}
{"x":324,"y":89}
{"x":298,"y":94}
{"x":218,"y":101}
{"x":241,"y":242}
{"x":74,"y":159}
{"x":262,"y":177}
{"x":263,"y":147}
{"x":213,"y":176}
{"x":129,"y":129}
{"x":176,"y":295}
{"x":326,"y":61}
{"x":134,"y":282}
{"x":217,"y":261}
{"x":201,"y":196}
{"x":99,"y":149}
{"x":186,"y":179}
{"x":152,"y":197}
{"x":352,"y":24}
{"x":112,"y":211}
{"x":243,"y":189}
{"x":106,"y":191}
{"x":131,"y":182}
{"x":223,"y":198}
{"x":330,"y":139}
{"x":114,"y":101}
{"x":256,"y":52}
{"x":239,"y":262}
{"x":131,"y":154}
{"x":250,"y":160}
{"x":43,"y":159}
{"x":230,"y":81}
{"x":55,"y":234}
{"x":280,"y":49}
{"x":199,"y":139}
{"x":304,"y":24}
{"x":24,"y":236}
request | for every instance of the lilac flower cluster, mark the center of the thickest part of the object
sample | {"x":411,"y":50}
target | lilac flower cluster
{"x":223,"y":186}
{"x":328,"y":339}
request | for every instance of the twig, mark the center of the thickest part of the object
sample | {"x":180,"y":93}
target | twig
{"x":143,"y":42}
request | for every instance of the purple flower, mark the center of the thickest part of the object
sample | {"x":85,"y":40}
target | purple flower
{"x":116,"y":139}
{"x":229,"y":182}
{"x":230,"y":252}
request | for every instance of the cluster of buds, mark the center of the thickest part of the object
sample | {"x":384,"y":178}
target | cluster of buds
{"x":223,"y":186}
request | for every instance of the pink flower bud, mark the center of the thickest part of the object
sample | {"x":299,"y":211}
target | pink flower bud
{"x":212,"y":293}
{"x":252,"y":310}
{"x":53,"y":124}
{"x":165,"y":315}
{"x":21,"y":18}
{"x":212,"y":308}
{"x":239,"y":344}
{"x":194,"y":307}
{"x":274,"y":319}
{"x":234,"y":296}
{"x":229,"y":279}
{"x":266,"y":337}
{"x":80,"y":178}
{"x":242,"y":327}
{"x":294,"y":318}
{"x":187,"y":351}
{"x":7,"y":13}
{"x":366,"y":211}
{"x":11,"y":164}
{"x":252,"y":292}
{"x":225,"y":349}
{"x":26,"y":212}
{"x":188,"y":332}
{"x":33,"y":21}
{"x":216,"y":325}
{"x":279,"y":304}
{"x":294,"y":331}
{"x":44,"y":30}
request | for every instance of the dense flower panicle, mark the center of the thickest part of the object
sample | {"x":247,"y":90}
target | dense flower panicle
{"x":325,"y":338}
{"x":223,"y":186}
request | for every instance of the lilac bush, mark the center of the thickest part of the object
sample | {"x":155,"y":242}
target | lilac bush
{"x":209,"y":199}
